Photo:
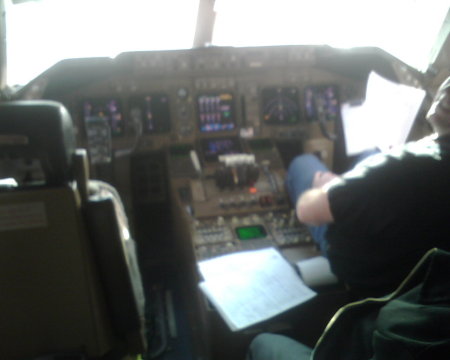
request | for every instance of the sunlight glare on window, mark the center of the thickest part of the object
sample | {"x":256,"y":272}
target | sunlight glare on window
{"x":405,"y":28}
{"x":41,"y":33}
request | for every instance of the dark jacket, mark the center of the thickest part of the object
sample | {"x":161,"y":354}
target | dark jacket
{"x":389,"y":211}
{"x":411,"y":323}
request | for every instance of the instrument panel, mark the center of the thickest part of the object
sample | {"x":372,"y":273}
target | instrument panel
{"x":151,"y":100}
{"x":191,"y":113}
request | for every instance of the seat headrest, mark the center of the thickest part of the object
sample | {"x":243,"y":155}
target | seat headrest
{"x":37,"y":142}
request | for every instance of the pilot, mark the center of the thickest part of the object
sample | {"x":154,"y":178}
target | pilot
{"x":377,"y":220}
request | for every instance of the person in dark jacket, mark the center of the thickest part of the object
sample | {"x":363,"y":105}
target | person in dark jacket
{"x":375,"y":223}
{"x":377,"y":220}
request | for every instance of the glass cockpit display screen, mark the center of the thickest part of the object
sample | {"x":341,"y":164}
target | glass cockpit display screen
{"x":280,"y":105}
{"x":152,"y":111}
{"x":108,"y":109}
{"x":322,"y":103}
{"x":212,"y":148}
{"x":216,"y":112}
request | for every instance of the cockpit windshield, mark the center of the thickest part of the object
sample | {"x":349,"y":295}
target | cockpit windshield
{"x":39,"y":33}
{"x":406,"y":29}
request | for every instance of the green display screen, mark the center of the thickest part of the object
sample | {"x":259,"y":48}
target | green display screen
{"x":251,"y":232}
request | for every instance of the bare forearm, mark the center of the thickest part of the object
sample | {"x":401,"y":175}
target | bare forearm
{"x":313,"y":207}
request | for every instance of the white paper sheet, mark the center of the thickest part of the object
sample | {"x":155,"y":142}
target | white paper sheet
{"x":252,"y":286}
{"x":357,"y":129}
{"x":385,"y":118}
{"x":316,"y":271}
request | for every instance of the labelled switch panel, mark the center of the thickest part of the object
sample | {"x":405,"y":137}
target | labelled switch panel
{"x":223,"y":235}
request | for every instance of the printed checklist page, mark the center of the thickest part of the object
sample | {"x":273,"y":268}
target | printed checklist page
{"x":252,"y":286}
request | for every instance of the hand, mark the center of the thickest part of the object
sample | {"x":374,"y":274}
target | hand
{"x":322,"y":177}
{"x":439,"y":113}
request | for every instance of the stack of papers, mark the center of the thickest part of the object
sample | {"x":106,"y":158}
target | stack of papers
{"x":385,"y":118}
{"x":249,"y":287}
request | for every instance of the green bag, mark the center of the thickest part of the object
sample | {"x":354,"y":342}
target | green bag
{"x":411,"y":323}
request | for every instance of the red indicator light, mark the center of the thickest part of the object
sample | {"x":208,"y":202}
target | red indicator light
{"x":252,"y":190}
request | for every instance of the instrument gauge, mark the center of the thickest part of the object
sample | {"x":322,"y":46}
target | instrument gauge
{"x":280,"y":105}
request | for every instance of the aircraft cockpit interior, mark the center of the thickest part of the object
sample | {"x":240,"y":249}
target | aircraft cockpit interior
{"x":197,"y":142}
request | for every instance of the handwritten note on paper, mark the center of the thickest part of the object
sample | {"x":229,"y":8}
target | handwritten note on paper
{"x":252,"y":286}
{"x":385,"y":118}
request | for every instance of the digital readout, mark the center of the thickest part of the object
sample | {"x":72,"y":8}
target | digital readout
{"x":251,"y":232}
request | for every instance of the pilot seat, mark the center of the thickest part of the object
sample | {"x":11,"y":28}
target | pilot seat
{"x":70,"y":283}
